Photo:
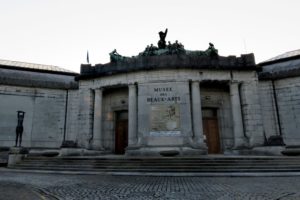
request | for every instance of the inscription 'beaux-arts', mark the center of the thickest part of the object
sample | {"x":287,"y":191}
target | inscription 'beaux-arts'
{"x":163,"y":99}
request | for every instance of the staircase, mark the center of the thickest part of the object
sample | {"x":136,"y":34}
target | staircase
{"x":202,"y":164}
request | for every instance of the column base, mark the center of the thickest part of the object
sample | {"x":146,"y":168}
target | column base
{"x":240,"y":143}
{"x":256,"y":141}
{"x":96,"y":147}
{"x":96,"y":144}
{"x":16,"y":155}
{"x":257,"y":151}
{"x":197,"y":144}
{"x":79,"y":152}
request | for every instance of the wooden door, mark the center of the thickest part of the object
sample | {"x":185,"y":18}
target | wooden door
{"x":211,"y":131}
{"x":121,"y":132}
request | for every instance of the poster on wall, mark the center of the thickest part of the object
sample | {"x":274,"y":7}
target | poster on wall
{"x":165,"y":120}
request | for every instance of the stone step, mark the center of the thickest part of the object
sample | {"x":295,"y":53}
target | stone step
{"x":160,"y":163}
{"x":123,"y":164}
{"x":165,"y":158}
{"x":159,"y":160}
{"x":165,"y":169}
{"x":159,"y":167}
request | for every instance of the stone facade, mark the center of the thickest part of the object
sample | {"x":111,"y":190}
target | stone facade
{"x":46,"y":97}
{"x":288,"y":102}
{"x":149,"y":96}
{"x":279,"y":84}
{"x":184,"y":104}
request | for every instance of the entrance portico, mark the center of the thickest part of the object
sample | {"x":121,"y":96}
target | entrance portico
{"x":164,"y":97}
{"x":167,"y":115}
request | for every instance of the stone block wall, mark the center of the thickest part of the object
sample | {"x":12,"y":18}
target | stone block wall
{"x":268,"y":109}
{"x":288,"y":96}
{"x":44,"y":119}
{"x":72,"y":127}
{"x":251,"y":111}
{"x":287,"y":91}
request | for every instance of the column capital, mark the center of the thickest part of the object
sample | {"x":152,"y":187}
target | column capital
{"x":195,"y":84}
{"x":234,"y":82}
{"x":98,"y":90}
{"x":131,"y":85}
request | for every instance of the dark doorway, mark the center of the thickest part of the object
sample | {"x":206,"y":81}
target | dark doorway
{"x":121,"y":132}
{"x":211,"y":130}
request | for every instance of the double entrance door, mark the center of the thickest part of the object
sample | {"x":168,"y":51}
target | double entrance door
{"x":211,"y":130}
{"x":121,"y":132}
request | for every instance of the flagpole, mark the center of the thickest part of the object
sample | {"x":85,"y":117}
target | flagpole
{"x":87,"y":58}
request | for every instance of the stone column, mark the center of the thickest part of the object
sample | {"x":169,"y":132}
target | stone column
{"x":85,"y":118}
{"x":97,"y":128}
{"x":132,"y":121}
{"x":238,"y":130}
{"x":197,"y":115}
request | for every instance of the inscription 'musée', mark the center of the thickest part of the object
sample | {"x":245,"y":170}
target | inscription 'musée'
{"x":163,"y":89}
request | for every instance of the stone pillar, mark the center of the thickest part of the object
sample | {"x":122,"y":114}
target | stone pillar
{"x":132,"y":121}
{"x":85,"y":118}
{"x":197,"y":115}
{"x":238,"y":130}
{"x":97,"y":128}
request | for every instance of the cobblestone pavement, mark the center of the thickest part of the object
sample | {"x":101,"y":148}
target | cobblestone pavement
{"x":13,"y":191}
{"x":96,"y":187}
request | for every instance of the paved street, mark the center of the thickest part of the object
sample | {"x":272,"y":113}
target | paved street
{"x":69,"y":187}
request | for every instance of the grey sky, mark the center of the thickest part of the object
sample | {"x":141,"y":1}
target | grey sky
{"x":59,"y":32}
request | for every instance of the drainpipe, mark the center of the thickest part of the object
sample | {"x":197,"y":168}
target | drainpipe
{"x":66,"y":115}
{"x":276,"y":107}
{"x":243,"y":112}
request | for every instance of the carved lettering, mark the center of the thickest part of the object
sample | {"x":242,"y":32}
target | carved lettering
{"x":163,"y":89}
{"x":163,"y":99}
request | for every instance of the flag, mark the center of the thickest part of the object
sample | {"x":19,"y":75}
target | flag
{"x":87,"y":57}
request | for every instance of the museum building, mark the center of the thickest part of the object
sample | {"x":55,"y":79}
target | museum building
{"x":165,"y":99}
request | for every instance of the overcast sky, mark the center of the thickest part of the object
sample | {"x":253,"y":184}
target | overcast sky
{"x":59,"y":32}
